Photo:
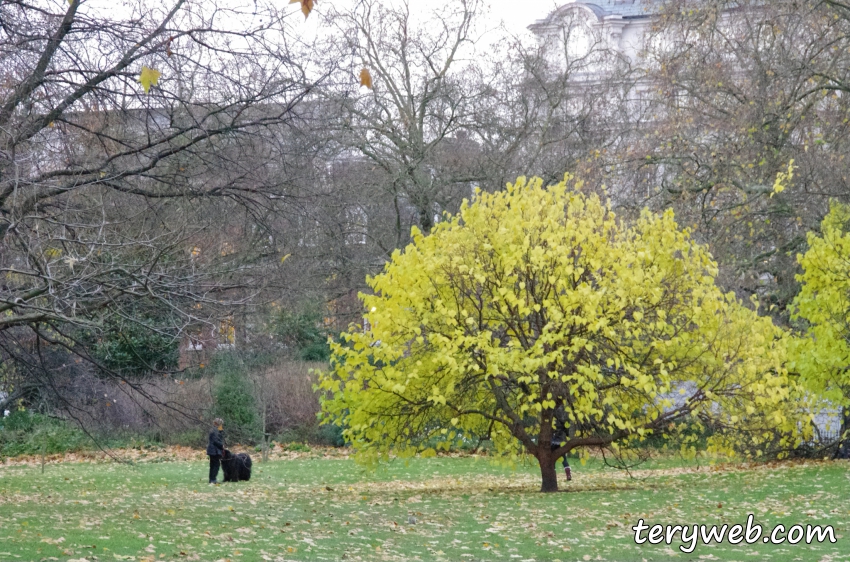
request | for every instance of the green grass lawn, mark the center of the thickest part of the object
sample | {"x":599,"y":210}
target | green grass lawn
{"x":463,"y":508}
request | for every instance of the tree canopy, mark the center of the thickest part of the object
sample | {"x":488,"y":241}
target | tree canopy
{"x":822,"y":355}
{"x":141,"y":151}
{"x":536,"y":308}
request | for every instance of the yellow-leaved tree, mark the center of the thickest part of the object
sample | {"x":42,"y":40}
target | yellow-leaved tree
{"x":822,"y":355}
{"x":536,"y":308}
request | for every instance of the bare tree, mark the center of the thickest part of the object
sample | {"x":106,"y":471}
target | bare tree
{"x":114,"y":200}
{"x":452,"y":106}
{"x":559,"y":105}
{"x":418,"y":103}
{"x":739,"y":91}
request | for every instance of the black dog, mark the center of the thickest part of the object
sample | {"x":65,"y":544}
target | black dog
{"x":236,"y":467}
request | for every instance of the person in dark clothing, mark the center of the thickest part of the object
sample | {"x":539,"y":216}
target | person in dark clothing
{"x":557,"y":440}
{"x":215,"y":448}
{"x":560,"y":437}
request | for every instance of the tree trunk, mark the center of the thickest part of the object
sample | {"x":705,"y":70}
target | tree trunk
{"x":547,"y":470}
{"x":843,"y":451}
{"x":265,"y":436}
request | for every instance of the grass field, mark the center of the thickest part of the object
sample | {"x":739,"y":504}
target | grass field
{"x":431,"y":509}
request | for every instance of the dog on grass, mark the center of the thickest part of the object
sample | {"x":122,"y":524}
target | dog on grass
{"x":237,"y":468}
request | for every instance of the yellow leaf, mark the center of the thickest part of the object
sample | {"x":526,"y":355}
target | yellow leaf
{"x":783,"y":179}
{"x":366,"y":78}
{"x":149,"y":77}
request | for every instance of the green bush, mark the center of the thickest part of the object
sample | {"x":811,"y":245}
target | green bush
{"x":27,"y":433}
{"x":233,"y":399}
{"x":303,"y":331}
{"x":22,"y":420}
{"x":135,"y":348}
{"x":328,"y":435}
{"x":187,"y":438}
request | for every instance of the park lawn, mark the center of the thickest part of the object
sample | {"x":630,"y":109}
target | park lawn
{"x":446,"y":508}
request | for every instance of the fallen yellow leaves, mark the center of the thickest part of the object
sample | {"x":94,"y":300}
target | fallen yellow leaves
{"x":457,"y":506}
{"x":171,"y":453}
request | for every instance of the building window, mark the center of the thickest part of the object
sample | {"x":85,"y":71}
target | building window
{"x":309,"y":231}
{"x":195,"y":342}
{"x":226,"y":333}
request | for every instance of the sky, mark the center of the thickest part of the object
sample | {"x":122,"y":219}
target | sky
{"x":517,"y":15}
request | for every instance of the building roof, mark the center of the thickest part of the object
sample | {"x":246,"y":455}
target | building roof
{"x":626,"y":8}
